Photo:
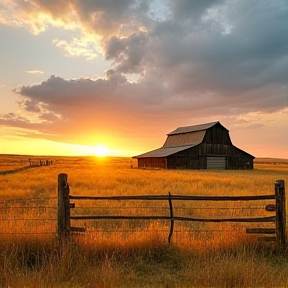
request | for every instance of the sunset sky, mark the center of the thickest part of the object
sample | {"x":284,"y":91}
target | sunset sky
{"x":76,"y":74}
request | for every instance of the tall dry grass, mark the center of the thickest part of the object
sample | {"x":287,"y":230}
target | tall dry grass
{"x":122,"y":255}
{"x":30,"y":264}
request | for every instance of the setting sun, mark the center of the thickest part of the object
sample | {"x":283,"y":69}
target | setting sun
{"x":101,"y":150}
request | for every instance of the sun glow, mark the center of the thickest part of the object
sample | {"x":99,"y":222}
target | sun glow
{"x":101,"y":151}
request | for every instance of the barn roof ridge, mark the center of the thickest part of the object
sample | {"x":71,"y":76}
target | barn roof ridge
{"x":194,"y":128}
{"x":183,"y":145}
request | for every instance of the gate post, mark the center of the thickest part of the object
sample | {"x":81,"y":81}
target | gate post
{"x":280,"y":213}
{"x":63,"y":225}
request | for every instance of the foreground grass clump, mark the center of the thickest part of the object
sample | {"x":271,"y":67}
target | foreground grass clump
{"x":47,"y":264}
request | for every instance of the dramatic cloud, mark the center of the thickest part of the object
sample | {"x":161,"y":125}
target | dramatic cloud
{"x":176,"y":58}
{"x":103,"y":17}
{"x":128,"y":53}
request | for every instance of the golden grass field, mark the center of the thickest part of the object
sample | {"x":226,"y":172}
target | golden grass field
{"x":135,"y":253}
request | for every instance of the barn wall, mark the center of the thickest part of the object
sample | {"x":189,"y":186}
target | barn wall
{"x":213,"y":149}
{"x":240,"y":160}
{"x":177,"y":162}
{"x":217,"y":135}
{"x":187,"y":159}
{"x":152,"y":162}
{"x":196,"y":157}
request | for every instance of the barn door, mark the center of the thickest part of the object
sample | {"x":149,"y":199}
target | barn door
{"x":216,"y":162}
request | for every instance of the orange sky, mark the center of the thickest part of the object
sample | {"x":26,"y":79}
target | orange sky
{"x":79,"y":74}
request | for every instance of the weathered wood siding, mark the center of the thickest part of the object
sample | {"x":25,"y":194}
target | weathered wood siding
{"x":239,"y":159}
{"x":160,"y":162}
{"x":217,"y":135}
{"x":196,"y":157}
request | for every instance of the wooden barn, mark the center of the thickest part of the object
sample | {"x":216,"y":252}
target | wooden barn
{"x":205,"y":146}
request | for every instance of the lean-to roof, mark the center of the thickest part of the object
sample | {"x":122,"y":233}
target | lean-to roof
{"x":164,"y":151}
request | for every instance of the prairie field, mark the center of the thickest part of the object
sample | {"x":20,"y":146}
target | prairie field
{"x":135,"y":253}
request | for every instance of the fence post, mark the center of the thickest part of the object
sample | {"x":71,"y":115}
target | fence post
{"x":280,"y":213}
{"x":171,"y":219}
{"x":63,"y":206}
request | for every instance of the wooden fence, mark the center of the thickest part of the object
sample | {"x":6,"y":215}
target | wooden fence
{"x":40,"y":162}
{"x":278,"y":209}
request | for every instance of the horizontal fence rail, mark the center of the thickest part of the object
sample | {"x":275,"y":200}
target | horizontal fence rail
{"x":279,"y":219}
{"x":176,"y":197}
{"x":258,"y":219}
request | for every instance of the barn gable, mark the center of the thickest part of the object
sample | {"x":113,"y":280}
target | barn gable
{"x":205,"y":146}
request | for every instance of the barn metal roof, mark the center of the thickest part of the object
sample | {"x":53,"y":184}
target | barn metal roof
{"x":183,"y":139}
{"x":194,"y":128}
{"x":164,"y":151}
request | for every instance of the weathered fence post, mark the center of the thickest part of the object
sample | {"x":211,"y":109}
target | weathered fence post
{"x":63,"y":206}
{"x":280,"y":213}
{"x":171,"y":219}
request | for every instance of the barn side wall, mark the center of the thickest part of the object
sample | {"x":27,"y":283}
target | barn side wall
{"x":152,"y":162}
{"x":240,"y":160}
{"x":196,"y":157}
